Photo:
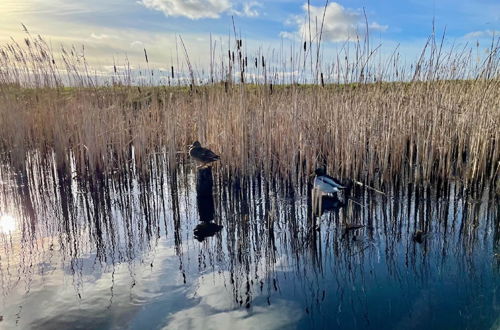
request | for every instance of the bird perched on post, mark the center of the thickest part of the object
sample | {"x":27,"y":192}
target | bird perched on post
{"x":202,"y":156}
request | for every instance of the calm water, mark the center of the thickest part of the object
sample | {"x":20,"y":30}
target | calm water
{"x":130,"y":251}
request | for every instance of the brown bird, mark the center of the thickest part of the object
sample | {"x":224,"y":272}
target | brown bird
{"x":202,"y":156}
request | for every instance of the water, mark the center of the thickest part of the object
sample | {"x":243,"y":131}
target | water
{"x":129,"y":251}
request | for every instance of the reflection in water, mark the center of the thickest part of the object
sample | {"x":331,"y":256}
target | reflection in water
{"x":206,"y":208}
{"x":205,"y":204}
{"x":327,"y":204}
{"x":7,"y":224}
{"x":121,"y":250}
{"x":206,"y":229}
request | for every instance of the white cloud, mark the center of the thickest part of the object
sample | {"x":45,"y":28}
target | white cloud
{"x":136,"y":43}
{"x":288,"y":35}
{"x":377,"y":27}
{"x":102,"y":36}
{"x":250,"y":9}
{"x":193,"y":9}
{"x":481,"y":34}
{"x":340,"y":24}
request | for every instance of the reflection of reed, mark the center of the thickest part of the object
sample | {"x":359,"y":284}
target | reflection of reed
{"x":270,"y":236}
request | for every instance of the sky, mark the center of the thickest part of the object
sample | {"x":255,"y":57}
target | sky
{"x":118,"y":29}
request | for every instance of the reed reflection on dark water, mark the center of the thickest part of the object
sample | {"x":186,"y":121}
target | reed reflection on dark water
{"x":357,"y":265}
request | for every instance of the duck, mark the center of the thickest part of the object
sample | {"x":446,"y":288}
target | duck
{"x":203,"y":156}
{"x":325,"y":183}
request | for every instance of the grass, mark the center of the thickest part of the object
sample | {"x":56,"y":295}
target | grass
{"x":437,"y":122}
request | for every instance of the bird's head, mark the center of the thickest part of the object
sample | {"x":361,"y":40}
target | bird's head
{"x":320,"y":171}
{"x":195,"y":144}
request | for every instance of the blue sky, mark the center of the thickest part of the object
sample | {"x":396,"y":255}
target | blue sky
{"x":118,"y":28}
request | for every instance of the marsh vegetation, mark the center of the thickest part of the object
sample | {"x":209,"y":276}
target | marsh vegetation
{"x":436,"y":119}
{"x":97,"y":190}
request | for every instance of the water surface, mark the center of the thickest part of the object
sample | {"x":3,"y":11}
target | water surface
{"x":130,"y":251}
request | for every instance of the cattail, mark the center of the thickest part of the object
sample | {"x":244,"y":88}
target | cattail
{"x":406,"y":132}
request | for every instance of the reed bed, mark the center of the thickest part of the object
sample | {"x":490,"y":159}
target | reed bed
{"x":436,"y":119}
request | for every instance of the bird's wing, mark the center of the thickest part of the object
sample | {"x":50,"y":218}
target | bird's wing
{"x":332,"y":181}
{"x":324,"y":185}
{"x":208,"y":154}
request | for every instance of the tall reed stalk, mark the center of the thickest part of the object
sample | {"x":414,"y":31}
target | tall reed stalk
{"x":435,"y":119}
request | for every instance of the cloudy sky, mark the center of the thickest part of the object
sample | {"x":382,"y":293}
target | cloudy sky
{"x":115,"y":29}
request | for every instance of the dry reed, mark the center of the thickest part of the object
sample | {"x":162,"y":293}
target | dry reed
{"x":438,"y":120}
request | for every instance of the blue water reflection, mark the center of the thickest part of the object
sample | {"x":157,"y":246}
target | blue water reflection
{"x":124,"y":251}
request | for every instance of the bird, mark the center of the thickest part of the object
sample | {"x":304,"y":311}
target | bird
{"x":325,"y":183}
{"x":202,"y":156}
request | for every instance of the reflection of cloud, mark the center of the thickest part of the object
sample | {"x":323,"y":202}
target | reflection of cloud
{"x":7,"y":224}
{"x":107,"y":297}
{"x":215,"y":310}
{"x":193,"y":9}
{"x":340,"y":24}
